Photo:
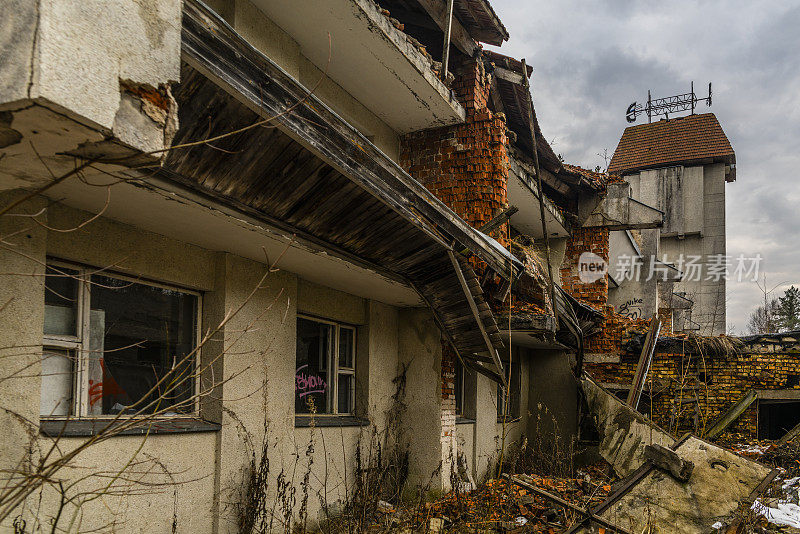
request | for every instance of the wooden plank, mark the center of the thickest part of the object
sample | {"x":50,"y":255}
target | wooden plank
{"x":643,"y":367}
{"x":731,"y":414}
{"x":474,"y":308}
{"x":565,"y":504}
{"x":509,"y":76}
{"x":789,"y":436}
{"x":216,"y":50}
{"x":459,"y":36}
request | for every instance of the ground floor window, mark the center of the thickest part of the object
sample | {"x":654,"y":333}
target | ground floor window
{"x":508,"y":399}
{"x":325,"y":372}
{"x":777,"y":417}
{"x":458,"y":387}
{"x":113,"y":344}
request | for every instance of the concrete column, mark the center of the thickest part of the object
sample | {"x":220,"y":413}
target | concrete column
{"x":259,"y":366}
{"x":22,"y":259}
{"x":420,"y":349}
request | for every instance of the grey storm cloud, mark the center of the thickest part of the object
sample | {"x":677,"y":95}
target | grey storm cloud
{"x":592,"y":59}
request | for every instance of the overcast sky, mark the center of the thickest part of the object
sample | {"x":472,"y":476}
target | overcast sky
{"x":592,"y":59}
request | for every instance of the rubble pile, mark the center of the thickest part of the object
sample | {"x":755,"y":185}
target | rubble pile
{"x":501,"y":506}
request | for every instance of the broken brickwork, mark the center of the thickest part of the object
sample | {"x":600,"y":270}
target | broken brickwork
{"x":688,"y":389}
{"x":465,"y":165}
{"x":594,"y":240}
{"x":448,"y":380}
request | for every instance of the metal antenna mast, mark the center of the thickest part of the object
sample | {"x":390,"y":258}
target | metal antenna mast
{"x":665,"y":106}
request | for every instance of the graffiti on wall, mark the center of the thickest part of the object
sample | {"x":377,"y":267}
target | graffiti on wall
{"x":631,"y":308}
{"x":305,"y":384}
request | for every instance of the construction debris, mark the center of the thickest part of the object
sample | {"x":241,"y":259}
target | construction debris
{"x":687,"y":486}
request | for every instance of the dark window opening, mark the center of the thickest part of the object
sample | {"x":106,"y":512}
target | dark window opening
{"x":792,"y":381}
{"x":508,"y":406}
{"x":458,"y":388}
{"x":325,"y":368}
{"x":113,"y":345}
{"x":776,"y":418}
{"x":705,"y":378}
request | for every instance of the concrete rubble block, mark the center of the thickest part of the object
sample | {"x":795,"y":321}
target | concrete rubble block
{"x":624,"y":433}
{"x":719,"y":482}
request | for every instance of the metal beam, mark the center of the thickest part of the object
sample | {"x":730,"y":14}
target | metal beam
{"x":517,"y":479}
{"x":477,"y":315}
{"x":446,"y":43}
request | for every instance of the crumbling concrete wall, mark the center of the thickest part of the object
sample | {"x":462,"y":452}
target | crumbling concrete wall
{"x":259,"y":342}
{"x":73,"y":57}
{"x":624,"y":433}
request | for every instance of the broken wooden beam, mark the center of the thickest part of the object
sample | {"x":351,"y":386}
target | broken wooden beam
{"x":731,"y":414}
{"x":565,"y":504}
{"x":789,"y":436}
{"x":459,"y":36}
{"x":669,"y":461}
{"x":476,"y":314}
{"x":643,"y":367}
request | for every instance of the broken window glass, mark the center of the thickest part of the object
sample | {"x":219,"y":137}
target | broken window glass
{"x":148,"y":339}
{"x":132,"y":351}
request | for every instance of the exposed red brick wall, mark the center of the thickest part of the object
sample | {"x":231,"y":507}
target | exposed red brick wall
{"x":585,"y":240}
{"x":715,"y":382}
{"x":466,"y":165}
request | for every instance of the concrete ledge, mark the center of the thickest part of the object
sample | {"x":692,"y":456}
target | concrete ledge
{"x":304,"y":421}
{"x":601,"y":357}
{"x":90,"y":427}
{"x":778,"y":394}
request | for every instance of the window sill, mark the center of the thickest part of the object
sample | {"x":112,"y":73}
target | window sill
{"x":304,"y":421}
{"x":464,"y":420}
{"x":90,"y":427}
{"x":508,"y":419}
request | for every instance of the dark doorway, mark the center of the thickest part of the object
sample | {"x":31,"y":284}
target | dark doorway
{"x":776,"y":418}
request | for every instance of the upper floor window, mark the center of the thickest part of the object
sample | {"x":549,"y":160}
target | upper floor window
{"x":113,"y":344}
{"x":325,"y":372}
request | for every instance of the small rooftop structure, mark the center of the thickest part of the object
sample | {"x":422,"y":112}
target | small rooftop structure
{"x":695,"y":139}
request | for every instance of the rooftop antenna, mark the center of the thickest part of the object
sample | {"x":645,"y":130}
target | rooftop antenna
{"x":665,"y":106}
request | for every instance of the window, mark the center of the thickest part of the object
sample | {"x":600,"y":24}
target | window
{"x":458,"y":388}
{"x":509,"y":408}
{"x":325,"y":373}
{"x":115,"y":345}
{"x":777,"y":417}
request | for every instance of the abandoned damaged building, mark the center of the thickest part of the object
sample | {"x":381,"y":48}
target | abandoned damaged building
{"x":680,"y":166}
{"x":258,"y":256}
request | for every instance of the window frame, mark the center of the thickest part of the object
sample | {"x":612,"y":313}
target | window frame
{"x":459,"y":386}
{"x":514,"y":389}
{"x":333,"y":367}
{"x":79,"y":344}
